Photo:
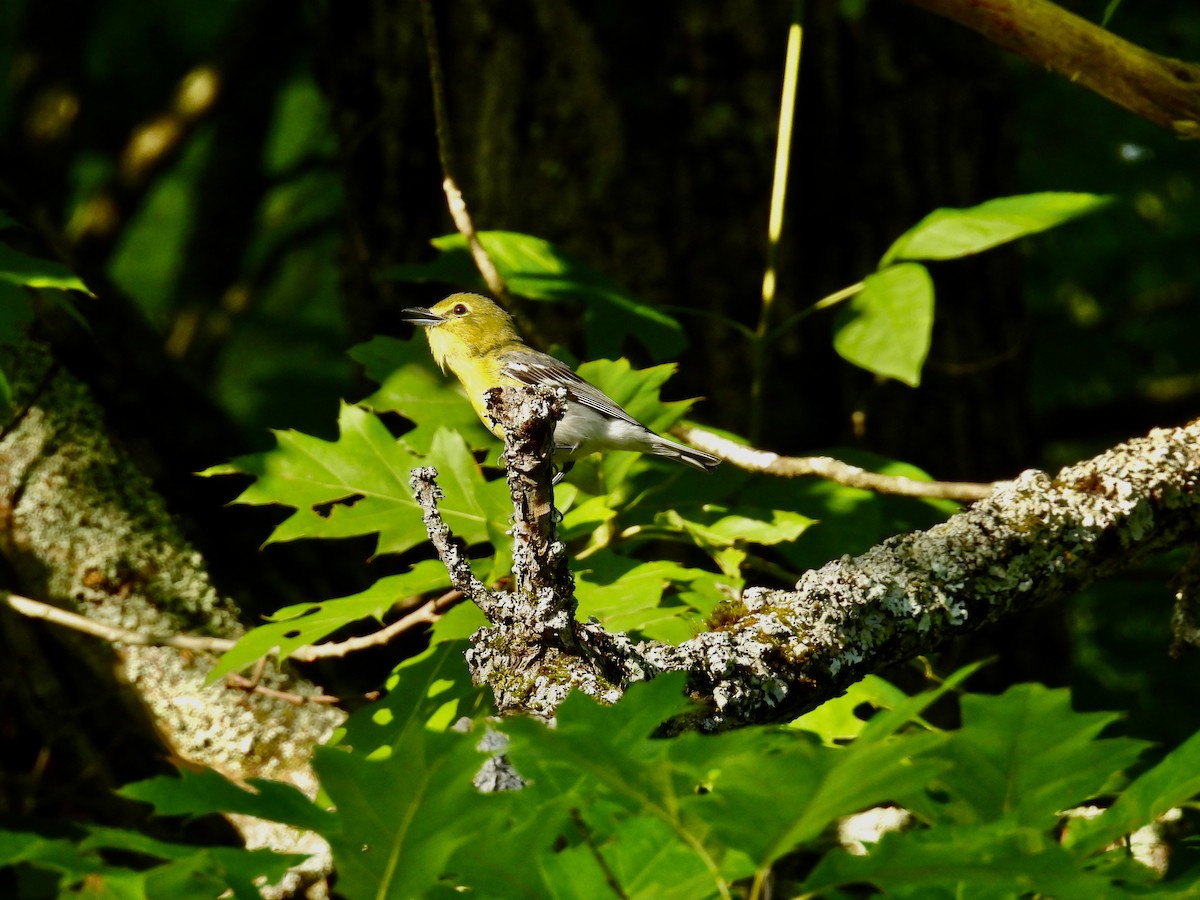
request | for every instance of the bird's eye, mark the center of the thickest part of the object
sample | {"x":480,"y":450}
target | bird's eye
{"x":460,"y":309}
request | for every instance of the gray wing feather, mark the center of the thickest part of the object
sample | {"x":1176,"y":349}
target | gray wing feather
{"x":532,"y":367}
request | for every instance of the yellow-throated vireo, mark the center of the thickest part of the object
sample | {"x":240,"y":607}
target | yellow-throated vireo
{"x":478,"y":342}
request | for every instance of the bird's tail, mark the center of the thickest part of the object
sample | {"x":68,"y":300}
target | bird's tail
{"x":690,"y":455}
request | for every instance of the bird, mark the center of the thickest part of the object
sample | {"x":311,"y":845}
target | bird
{"x":477,"y":340}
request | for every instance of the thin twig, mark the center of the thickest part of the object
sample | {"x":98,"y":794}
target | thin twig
{"x":454,"y":196}
{"x":35,"y":609}
{"x":428,"y":612}
{"x":241,"y":683}
{"x":754,"y":460}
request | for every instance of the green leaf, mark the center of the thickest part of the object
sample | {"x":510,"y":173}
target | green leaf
{"x":604,"y":763}
{"x":1174,"y":781}
{"x":401,"y":817}
{"x":644,"y":857}
{"x":402,"y":783}
{"x":999,"y":860}
{"x":21,"y":270}
{"x":783,"y":790}
{"x":951,"y":233}
{"x":358,"y":485}
{"x":410,"y":384}
{"x":424,"y":691}
{"x":835,"y":720}
{"x":198,"y":793}
{"x":620,"y":592}
{"x":1026,"y":755}
{"x":293,"y":627}
{"x":190,"y":871}
{"x":719,"y":526}
{"x":886,"y":328}
{"x":908,"y":710}
{"x":537,"y":269}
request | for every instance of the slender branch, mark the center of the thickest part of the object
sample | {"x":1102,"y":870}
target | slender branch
{"x":753,"y":460}
{"x":1166,"y":91}
{"x":454,"y":196}
{"x":35,"y":609}
{"x":427,"y":613}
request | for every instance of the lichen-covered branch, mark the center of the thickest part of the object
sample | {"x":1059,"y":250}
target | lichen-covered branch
{"x":1036,"y":539}
{"x":82,"y":527}
{"x":1164,"y":90}
{"x":530,"y":655}
{"x":427,"y":493}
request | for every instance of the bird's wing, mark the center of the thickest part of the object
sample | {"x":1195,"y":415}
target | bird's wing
{"x":532,"y":367}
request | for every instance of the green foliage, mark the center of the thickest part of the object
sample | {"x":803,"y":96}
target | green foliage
{"x":610,"y":805}
{"x":887,"y":326}
{"x":22,"y":277}
{"x":77,"y":866}
{"x":953,"y":233}
{"x":535,"y":268}
{"x":358,"y":485}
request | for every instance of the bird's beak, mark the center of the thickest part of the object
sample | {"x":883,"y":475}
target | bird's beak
{"x":419,"y":315}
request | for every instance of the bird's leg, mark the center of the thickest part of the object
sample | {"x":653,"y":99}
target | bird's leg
{"x":560,"y":474}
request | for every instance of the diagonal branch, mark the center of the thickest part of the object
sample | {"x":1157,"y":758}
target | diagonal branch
{"x":768,"y":463}
{"x":1033,"y":540}
{"x":1166,"y":91}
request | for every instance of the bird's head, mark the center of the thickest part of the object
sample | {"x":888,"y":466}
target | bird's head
{"x":463,"y":325}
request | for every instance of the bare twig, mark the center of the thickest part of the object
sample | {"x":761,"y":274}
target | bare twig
{"x":454,"y":196}
{"x":35,"y":609}
{"x":426,"y":613}
{"x":539,"y":561}
{"x":533,"y":653}
{"x":754,"y":460}
{"x":1164,"y":90}
{"x":248,"y":685}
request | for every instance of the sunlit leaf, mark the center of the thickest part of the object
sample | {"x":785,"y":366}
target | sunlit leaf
{"x":1026,"y":755}
{"x":535,"y":268}
{"x":293,"y":627}
{"x":1170,"y":783}
{"x":198,"y":793}
{"x":17,"y":268}
{"x":359,"y":485}
{"x":886,"y":328}
{"x":411,"y":385}
{"x":951,"y":233}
